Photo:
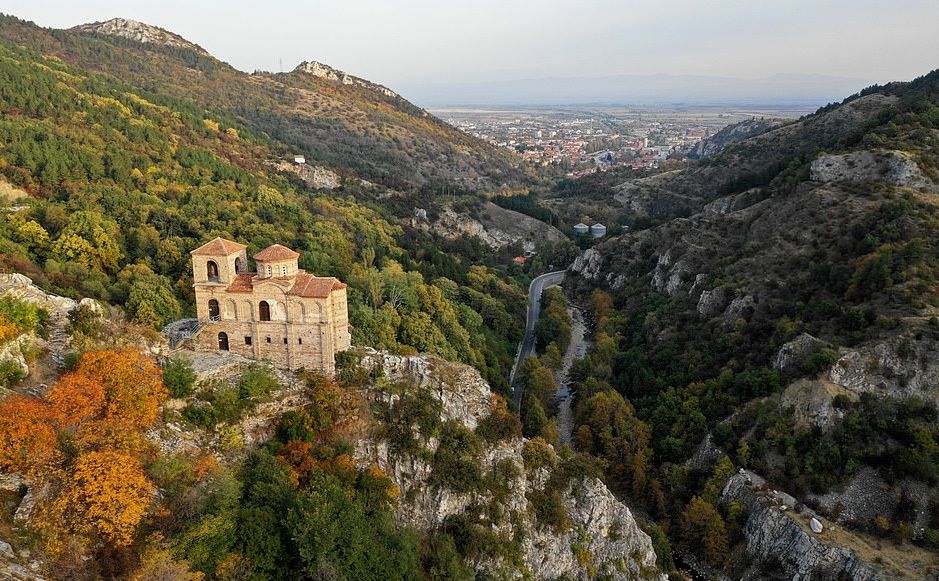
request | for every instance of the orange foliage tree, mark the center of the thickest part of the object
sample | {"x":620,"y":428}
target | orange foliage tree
{"x":133,"y":385}
{"x":75,"y":399}
{"x":28,"y":441}
{"x":99,"y":410}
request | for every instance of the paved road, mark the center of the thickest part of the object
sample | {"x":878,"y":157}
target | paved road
{"x":527,"y":346}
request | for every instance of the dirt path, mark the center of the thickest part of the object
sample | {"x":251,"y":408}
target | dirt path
{"x":577,"y":348}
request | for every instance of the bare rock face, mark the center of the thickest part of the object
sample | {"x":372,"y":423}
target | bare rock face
{"x":867,"y":495}
{"x":588,"y":264}
{"x":494,"y":226}
{"x":892,"y":167}
{"x":21,"y":287}
{"x":140,"y":32}
{"x":901,"y":366}
{"x":327,"y":72}
{"x":315,"y":176}
{"x":712,"y":302}
{"x":731,"y":134}
{"x":669,"y":275}
{"x":775,"y":535}
{"x":739,"y":308}
{"x":603,"y":539}
{"x":791,"y":355}
{"x":812,"y":401}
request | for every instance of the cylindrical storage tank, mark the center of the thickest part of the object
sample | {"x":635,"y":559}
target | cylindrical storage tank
{"x":598,"y":230}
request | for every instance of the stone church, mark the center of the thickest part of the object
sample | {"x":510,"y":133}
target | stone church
{"x":280,"y":313}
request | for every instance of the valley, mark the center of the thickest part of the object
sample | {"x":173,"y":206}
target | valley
{"x":294,"y":326}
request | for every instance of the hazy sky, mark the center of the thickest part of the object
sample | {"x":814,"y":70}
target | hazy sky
{"x":411,"y":43}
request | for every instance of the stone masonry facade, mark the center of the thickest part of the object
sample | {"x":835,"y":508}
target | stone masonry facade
{"x":279,"y":313}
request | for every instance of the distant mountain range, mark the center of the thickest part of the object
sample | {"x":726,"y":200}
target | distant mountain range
{"x":639,"y":89}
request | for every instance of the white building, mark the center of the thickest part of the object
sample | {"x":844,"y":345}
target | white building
{"x":598,"y":230}
{"x":581,"y":228}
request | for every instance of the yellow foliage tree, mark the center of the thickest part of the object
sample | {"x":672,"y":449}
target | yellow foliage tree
{"x":106,"y":493}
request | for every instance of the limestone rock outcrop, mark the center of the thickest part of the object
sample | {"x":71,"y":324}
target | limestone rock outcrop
{"x":892,"y":167}
{"x":779,"y":536}
{"x":318,"y":69}
{"x":140,"y":32}
{"x":603,"y":536}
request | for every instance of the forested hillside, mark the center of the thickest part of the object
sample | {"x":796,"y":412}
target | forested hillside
{"x":118,"y":184}
{"x":118,"y":460}
{"x":785,"y":321}
{"x":380,"y":137}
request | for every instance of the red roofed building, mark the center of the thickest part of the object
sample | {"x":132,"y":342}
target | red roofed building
{"x":279,"y":313}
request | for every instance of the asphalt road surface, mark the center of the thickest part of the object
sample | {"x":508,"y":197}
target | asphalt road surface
{"x":527,"y":346}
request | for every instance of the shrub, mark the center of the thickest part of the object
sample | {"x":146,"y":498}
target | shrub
{"x":257,"y":381}
{"x":416,"y":408}
{"x":10,"y":373}
{"x":820,"y":361}
{"x":456,"y":461}
{"x":500,"y":424}
{"x":295,"y":425}
{"x":84,"y":320}
{"x":18,"y":317}
{"x":538,"y":454}
{"x":179,"y":377}
{"x":548,"y":506}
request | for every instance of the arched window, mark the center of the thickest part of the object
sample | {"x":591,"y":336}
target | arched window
{"x":223,"y":341}
{"x":264,"y":310}
{"x":239,"y":265}
{"x":214,"y":313}
{"x":270,"y":271}
{"x":212,"y":269}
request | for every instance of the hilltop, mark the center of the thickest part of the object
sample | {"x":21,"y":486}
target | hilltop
{"x":329,"y":116}
{"x":139,"y":32}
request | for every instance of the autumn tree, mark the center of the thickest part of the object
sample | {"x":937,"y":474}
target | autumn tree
{"x":157,"y":564}
{"x":610,"y":429}
{"x":107,"y":494}
{"x":602,"y":305}
{"x":28,"y":441}
{"x":132,"y":382}
{"x":94,"y":414}
{"x":703,"y":528}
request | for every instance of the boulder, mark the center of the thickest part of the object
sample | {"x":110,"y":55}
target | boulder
{"x":792,"y":355}
{"x":740,"y":308}
{"x":816,"y":525}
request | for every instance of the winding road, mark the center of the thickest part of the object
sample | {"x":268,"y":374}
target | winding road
{"x":527,"y":347}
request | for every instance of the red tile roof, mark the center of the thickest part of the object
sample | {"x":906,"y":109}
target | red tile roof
{"x":242,"y":283}
{"x":218,"y":247}
{"x":276,"y":252}
{"x":308,"y":285}
{"x":304,"y":285}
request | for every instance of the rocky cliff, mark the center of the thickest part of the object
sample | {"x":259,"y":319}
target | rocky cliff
{"x":731,"y":134}
{"x":779,"y":533}
{"x":493,"y":225}
{"x":56,"y":341}
{"x":600,"y":537}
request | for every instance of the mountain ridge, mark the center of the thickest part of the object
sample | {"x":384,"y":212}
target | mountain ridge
{"x":139,"y":32}
{"x":357,"y":127}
